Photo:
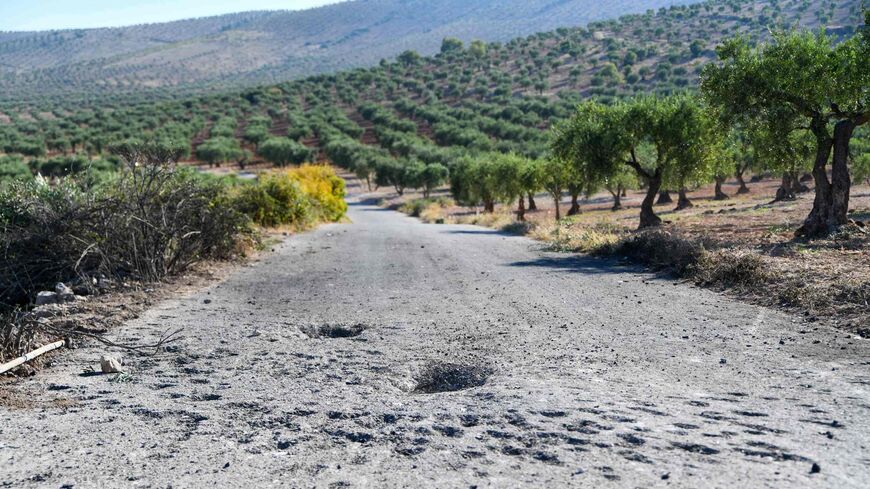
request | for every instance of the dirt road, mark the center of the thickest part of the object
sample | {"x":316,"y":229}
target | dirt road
{"x":390,"y":353}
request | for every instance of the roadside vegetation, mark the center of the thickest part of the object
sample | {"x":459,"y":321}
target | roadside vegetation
{"x":149,"y":220}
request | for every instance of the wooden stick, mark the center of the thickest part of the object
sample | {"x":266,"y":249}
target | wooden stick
{"x":30,"y":356}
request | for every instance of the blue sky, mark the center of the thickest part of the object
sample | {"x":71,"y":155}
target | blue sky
{"x":29,"y":15}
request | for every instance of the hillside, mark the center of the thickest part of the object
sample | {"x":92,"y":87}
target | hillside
{"x":267,"y":47}
{"x":486,"y":96}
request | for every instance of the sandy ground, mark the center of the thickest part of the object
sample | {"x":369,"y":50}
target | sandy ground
{"x":392,"y":353}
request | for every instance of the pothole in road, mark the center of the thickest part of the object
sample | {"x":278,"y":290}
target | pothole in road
{"x":333,"y":330}
{"x":449,"y":377}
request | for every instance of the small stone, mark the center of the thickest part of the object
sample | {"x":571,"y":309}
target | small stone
{"x":64,"y":293}
{"x":46,"y":297}
{"x":722,"y":361}
{"x":111,"y":364}
{"x":815,"y":469}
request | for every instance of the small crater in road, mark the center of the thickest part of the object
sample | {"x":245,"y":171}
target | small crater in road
{"x":333,"y":330}
{"x":449,"y":377}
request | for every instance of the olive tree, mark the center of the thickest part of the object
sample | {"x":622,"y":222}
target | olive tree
{"x":217,"y":150}
{"x":284,"y":151}
{"x":662,"y":140}
{"x":809,"y":78}
{"x":554,"y":177}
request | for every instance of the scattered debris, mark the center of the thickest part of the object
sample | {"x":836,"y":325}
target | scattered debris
{"x":30,"y":356}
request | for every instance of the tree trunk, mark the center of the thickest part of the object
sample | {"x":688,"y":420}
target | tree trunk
{"x":739,"y":176}
{"x":683,"y":201}
{"x":624,"y":192}
{"x":816,"y":223}
{"x":617,"y":198}
{"x":575,"y":204}
{"x":489,"y":206}
{"x":840,"y":181}
{"x":797,"y":184}
{"x":556,"y":202}
{"x":664,"y":198}
{"x":720,"y":195}
{"x":648,"y":217}
{"x":532,"y":205}
{"x":786,"y":190}
{"x":521,"y":211}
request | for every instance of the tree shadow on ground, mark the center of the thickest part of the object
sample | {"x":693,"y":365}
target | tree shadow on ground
{"x":370,"y":201}
{"x":587,"y":265}
{"x":492,"y":232}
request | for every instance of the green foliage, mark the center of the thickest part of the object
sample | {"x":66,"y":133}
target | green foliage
{"x":409,"y":58}
{"x":665,"y":140}
{"x":275,"y":200}
{"x":489,"y":178}
{"x":218,"y":150}
{"x":451,"y":45}
{"x":13,"y":168}
{"x":789,"y":93}
{"x":284,"y":151}
{"x":802,"y":72}
{"x":298,"y":198}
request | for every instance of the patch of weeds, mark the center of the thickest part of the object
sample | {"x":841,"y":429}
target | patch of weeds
{"x":802,"y":294}
{"x":494,"y":220}
{"x":598,"y":239}
{"x":121,"y":378}
{"x":520,"y":228}
{"x":425,"y":208}
{"x":730,"y":268}
{"x":779,"y":228}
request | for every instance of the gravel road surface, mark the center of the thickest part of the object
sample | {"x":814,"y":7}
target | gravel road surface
{"x":391,"y":353}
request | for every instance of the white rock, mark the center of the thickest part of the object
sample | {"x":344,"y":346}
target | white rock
{"x":46,"y":297}
{"x":111,"y":364}
{"x":64,"y":293}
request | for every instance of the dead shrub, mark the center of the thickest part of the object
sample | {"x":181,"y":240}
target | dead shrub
{"x":17,"y":336}
{"x":729,"y":268}
{"x":662,"y":249}
{"x":813,"y":298}
{"x":152,"y":221}
{"x":597,"y":239}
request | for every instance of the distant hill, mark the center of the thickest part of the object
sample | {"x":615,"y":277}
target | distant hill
{"x":263,"y":47}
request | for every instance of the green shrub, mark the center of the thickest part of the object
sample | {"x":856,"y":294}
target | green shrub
{"x":13,"y":168}
{"x":283,"y":151}
{"x":275,"y":200}
{"x":299,"y":197}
